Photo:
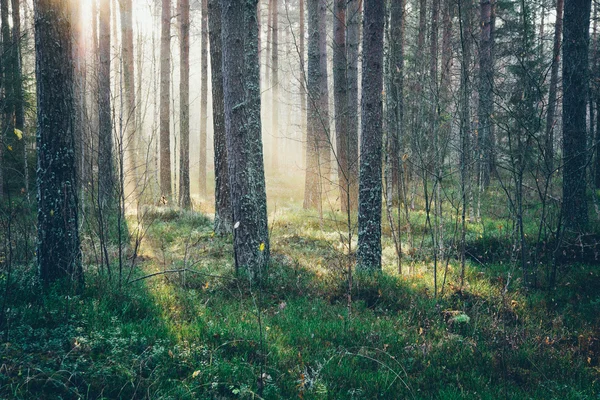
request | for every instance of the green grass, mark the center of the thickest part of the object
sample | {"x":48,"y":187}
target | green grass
{"x":199,"y":335}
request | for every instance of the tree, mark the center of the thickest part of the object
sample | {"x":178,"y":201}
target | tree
{"x":19,"y":104}
{"x":106,"y":182}
{"x":165,"y":100}
{"x":353,"y":21}
{"x":340,"y":94}
{"x":128,"y":118}
{"x":369,"y":203}
{"x":184,"y":104}
{"x":223,"y":212}
{"x":203,"y":98}
{"x":317,"y":137}
{"x":241,"y":84}
{"x":575,"y":84}
{"x":486,"y":94}
{"x":552,"y":94}
{"x":275,"y":86}
{"x":58,"y":249}
{"x":7,"y":112}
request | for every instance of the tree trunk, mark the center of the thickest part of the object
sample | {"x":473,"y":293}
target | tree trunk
{"x":130,"y":144}
{"x":552,"y":94}
{"x":241,"y":84}
{"x":575,"y":84}
{"x":58,"y":250}
{"x":7,"y":123}
{"x":269,"y":41}
{"x":165,"y":100}
{"x":302,"y":83}
{"x":18,"y":78}
{"x":395,"y":98}
{"x":486,"y":94}
{"x":340,"y":89}
{"x":203,"y":99}
{"x":353,"y":22}
{"x":275,"y":86}
{"x":369,"y":214}
{"x":223,"y":212}
{"x":106,"y":183}
{"x":184,"y":104}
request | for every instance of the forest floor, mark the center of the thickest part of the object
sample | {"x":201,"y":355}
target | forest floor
{"x":204,"y":334}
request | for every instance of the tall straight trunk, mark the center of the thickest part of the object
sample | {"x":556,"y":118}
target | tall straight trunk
{"x":325,"y":145}
{"x":396,"y":92}
{"x":223,"y":212}
{"x":552,"y":94}
{"x":165,"y":100}
{"x":353,"y":22}
{"x":369,"y":208}
{"x":128,"y":64}
{"x":203,"y":98}
{"x":486,"y":94}
{"x":269,"y":42}
{"x":106,"y":183}
{"x":575,"y":84}
{"x":58,"y":249}
{"x":184,"y":104}
{"x":79,"y":89}
{"x":241,"y":84}
{"x":18,"y":67}
{"x":340,"y":94}
{"x":275,"y":86}
{"x":301,"y":49}
{"x":7,"y":112}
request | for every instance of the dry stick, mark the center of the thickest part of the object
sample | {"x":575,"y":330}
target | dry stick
{"x":178,"y":271}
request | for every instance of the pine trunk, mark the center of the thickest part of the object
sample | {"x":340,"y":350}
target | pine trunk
{"x":203,"y":99}
{"x":552,"y":94}
{"x":184,"y":104}
{"x":165,"y":101}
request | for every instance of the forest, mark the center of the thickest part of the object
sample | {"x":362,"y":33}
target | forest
{"x":299,"y":199}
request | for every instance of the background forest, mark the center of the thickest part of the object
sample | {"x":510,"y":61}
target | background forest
{"x":299,"y":199}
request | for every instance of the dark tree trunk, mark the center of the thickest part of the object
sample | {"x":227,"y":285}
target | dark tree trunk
{"x":340,"y":88}
{"x":203,"y":98}
{"x":486,"y":94}
{"x":575,"y":84}
{"x":241,"y":84}
{"x":395,"y":98}
{"x":7,"y":112}
{"x":18,"y":70}
{"x":353,"y":21}
{"x":106,"y":183}
{"x":552,"y":94}
{"x":184,"y":104}
{"x":165,"y":100}
{"x":369,"y":208}
{"x":223,"y":212}
{"x":58,"y":248}
{"x":275,"y":86}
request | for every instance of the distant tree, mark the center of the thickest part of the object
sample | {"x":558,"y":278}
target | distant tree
{"x":58,"y":248}
{"x":130,"y":144}
{"x":575,"y":84}
{"x":302,"y":60}
{"x":317,"y":139}
{"x":106,"y":183}
{"x":552,"y":94}
{"x":203,"y":98}
{"x":241,"y":84}
{"x":7,"y":111}
{"x":340,"y":95}
{"x":19,"y":103}
{"x":165,"y":100}
{"x":184,"y":104}
{"x":223,"y":212}
{"x":275,"y":87}
{"x":369,"y":206}
{"x":353,"y":22}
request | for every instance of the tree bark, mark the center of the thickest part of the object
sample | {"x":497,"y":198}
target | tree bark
{"x":275,"y":87}
{"x":241,"y":84}
{"x":486,"y":94}
{"x":340,"y":90}
{"x":7,"y":112}
{"x":165,"y":100}
{"x":353,"y":18}
{"x":369,"y":214}
{"x":301,"y":49}
{"x":203,"y":99}
{"x":223,"y":212}
{"x":106,"y":183}
{"x":18,"y":78}
{"x":575,"y":89}
{"x":58,"y":247}
{"x":184,"y":104}
{"x":552,"y":94}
